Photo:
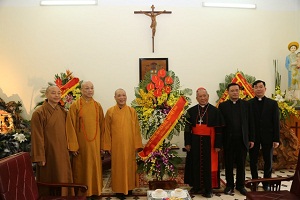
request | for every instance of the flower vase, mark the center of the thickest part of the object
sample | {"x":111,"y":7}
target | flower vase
{"x":163,"y":184}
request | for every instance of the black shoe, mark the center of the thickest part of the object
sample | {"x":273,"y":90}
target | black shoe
{"x":208,"y":194}
{"x":243,"y":191}
{"x":120,"y":196}
{"x":266,"y":188}
{"x":228,"y":190}
{"x":195,"y":191}
{"x":95,"y":197}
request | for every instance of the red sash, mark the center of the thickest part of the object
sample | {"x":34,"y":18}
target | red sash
{"x":203,"y":129}
{"x":164,"y":129}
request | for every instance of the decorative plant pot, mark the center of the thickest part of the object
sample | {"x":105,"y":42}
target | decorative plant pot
{"x":165,"y":184}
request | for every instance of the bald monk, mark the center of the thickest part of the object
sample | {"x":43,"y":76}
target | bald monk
{"x":123,"y":139}
{"x":49,"y":143}
{"x":85,"y":126}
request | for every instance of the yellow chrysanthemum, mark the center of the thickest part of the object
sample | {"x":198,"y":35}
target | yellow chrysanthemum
{"x":163,"y":98}
{"x":146,"y":99}
{"x":285,"y":109}
{"x":172,"y":100}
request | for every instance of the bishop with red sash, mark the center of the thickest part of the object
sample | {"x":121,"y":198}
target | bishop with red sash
{"x":203,"y":141}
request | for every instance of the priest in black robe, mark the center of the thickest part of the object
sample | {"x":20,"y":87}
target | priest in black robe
{"x":203,"y":141}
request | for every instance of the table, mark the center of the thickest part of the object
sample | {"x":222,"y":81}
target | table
{"x":149,"y":195}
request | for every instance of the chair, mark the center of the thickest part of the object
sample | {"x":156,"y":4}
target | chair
{"x":17,"y":181}
{"x":275,"y":187}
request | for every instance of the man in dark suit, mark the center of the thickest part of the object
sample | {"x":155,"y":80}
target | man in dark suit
{"x":238,"y":137}
{"x":266,"y":119}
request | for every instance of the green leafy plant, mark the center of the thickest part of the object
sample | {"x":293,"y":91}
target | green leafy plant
{"x":162,"y":162}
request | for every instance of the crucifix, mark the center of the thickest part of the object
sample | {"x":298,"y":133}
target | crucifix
{"x":152,"y":14}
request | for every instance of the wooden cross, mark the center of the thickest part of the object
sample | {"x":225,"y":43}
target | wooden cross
{"x":152,"y":14}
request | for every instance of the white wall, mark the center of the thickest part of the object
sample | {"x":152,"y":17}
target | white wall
{"x":103,"y":44}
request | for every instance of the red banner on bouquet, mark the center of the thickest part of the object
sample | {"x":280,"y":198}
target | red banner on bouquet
{"x":239,"y":79}
{"x":69,"y":86}
{"x":164,"y":129}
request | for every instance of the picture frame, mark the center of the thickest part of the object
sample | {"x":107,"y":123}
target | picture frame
{"x":153,"y":65}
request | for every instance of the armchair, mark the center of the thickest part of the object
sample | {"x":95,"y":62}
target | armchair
{"x":17,"y":181}
{"x":275,"y":187}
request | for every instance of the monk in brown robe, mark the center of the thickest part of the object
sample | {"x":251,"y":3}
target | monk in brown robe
{"x":49,"y":143}
{"x":85,"y":126}
{"x":123,"y":139}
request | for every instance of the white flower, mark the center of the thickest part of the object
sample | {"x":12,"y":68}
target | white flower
{"x":279,"y":98}
{"x":20,"y":137}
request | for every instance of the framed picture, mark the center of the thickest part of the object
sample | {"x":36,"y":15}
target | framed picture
{"x":152,"y":65}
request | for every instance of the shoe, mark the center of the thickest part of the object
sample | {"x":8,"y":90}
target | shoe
{"x":95,"y":197}
{"x":266,"y":188}
{"x":120,"y":196}
{"x":228,"y":190}
{"x":243,"y":191}
{"x":208,"y":194}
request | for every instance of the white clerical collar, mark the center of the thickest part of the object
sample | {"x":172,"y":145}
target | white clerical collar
{"x":234,"y":102}
{"x":260,"y":98}
{"x":202,"y":106}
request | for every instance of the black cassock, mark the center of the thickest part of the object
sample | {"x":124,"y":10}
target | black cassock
{"x":198,"y":168}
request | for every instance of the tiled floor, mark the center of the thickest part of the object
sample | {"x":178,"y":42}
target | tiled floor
{"x":222,"y":196}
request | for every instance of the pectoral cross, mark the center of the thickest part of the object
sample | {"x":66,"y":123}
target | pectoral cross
{"x":152,"y":14}
{"x":200,"y":121}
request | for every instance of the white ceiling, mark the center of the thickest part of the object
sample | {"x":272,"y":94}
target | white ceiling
{"x":261,"y":4}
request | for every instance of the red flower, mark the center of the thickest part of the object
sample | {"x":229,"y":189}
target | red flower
{"x":157,"y":92}
{"x":159,"y":84}
{"x":155,"y":78}
{"x":62,"y":103}
{"x":167,"y":89}
{"x":58,"y":82}
{"x":150,"y":86}
{"x":168,"y":80}
{"x":161,"y":73}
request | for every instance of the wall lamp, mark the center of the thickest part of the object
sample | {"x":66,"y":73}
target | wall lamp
{"x":229,"y":5}
{"x":68,"y":2}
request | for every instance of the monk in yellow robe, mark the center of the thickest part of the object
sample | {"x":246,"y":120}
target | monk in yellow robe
{"x":49,"y":143}
{"x":123,"y":139}
{"x":85,"y":126}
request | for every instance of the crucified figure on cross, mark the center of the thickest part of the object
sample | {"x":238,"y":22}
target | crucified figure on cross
{"x":152,"y":14}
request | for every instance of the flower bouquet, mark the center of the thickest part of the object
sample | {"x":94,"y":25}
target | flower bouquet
{"x":14,"y":142}
{"x":14,"y":130}
{"x":286,"y":107}
{"x":161,"y":107}
{"x":69,"y":86}
{"x":162,"y":163}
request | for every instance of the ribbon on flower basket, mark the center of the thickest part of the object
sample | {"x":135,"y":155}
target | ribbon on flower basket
{"x":164,"y":129}
{"x":69,"y":86}
{"x":239,"y":79}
